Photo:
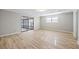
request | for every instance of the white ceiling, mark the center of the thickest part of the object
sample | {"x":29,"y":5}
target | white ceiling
{"x":34,"y":12}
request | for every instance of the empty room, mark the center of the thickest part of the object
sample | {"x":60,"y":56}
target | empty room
{"x":39,"y":29}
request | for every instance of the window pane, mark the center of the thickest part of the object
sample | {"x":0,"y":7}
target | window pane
{"x":54,"y":19}
{"x":48,"y":20}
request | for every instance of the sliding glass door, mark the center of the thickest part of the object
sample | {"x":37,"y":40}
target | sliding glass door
{"x":27,"y":24}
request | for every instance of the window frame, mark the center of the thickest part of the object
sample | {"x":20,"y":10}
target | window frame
{"x":52,"y":20}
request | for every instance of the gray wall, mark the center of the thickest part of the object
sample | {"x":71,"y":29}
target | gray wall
{"x":9,"y":22}
{"x":65,"y":22}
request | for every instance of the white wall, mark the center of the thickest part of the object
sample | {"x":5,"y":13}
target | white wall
{"x":36,"y":23}
{"x":9,"y":22}
{"x":78,"y":25}
{"x":75,"y":24}
{"x":65,"y":22}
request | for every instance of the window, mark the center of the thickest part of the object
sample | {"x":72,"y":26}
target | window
{"x":52,"y":20}
{"x":48,"y":20}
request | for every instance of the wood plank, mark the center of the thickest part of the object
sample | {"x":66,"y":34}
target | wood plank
{"x":39,"y":39}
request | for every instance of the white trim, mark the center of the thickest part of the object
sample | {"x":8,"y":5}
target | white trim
{"x":9,"y":34}
{"x":58,"y":30}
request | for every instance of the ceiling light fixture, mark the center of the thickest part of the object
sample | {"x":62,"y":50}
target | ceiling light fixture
{"x":41,"y":10}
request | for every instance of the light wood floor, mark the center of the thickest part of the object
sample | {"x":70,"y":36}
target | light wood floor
{"x":39,"y":39}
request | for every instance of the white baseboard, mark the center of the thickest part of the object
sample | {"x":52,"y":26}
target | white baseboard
{"x":9,"y":34}
{"x":58,"y":30}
